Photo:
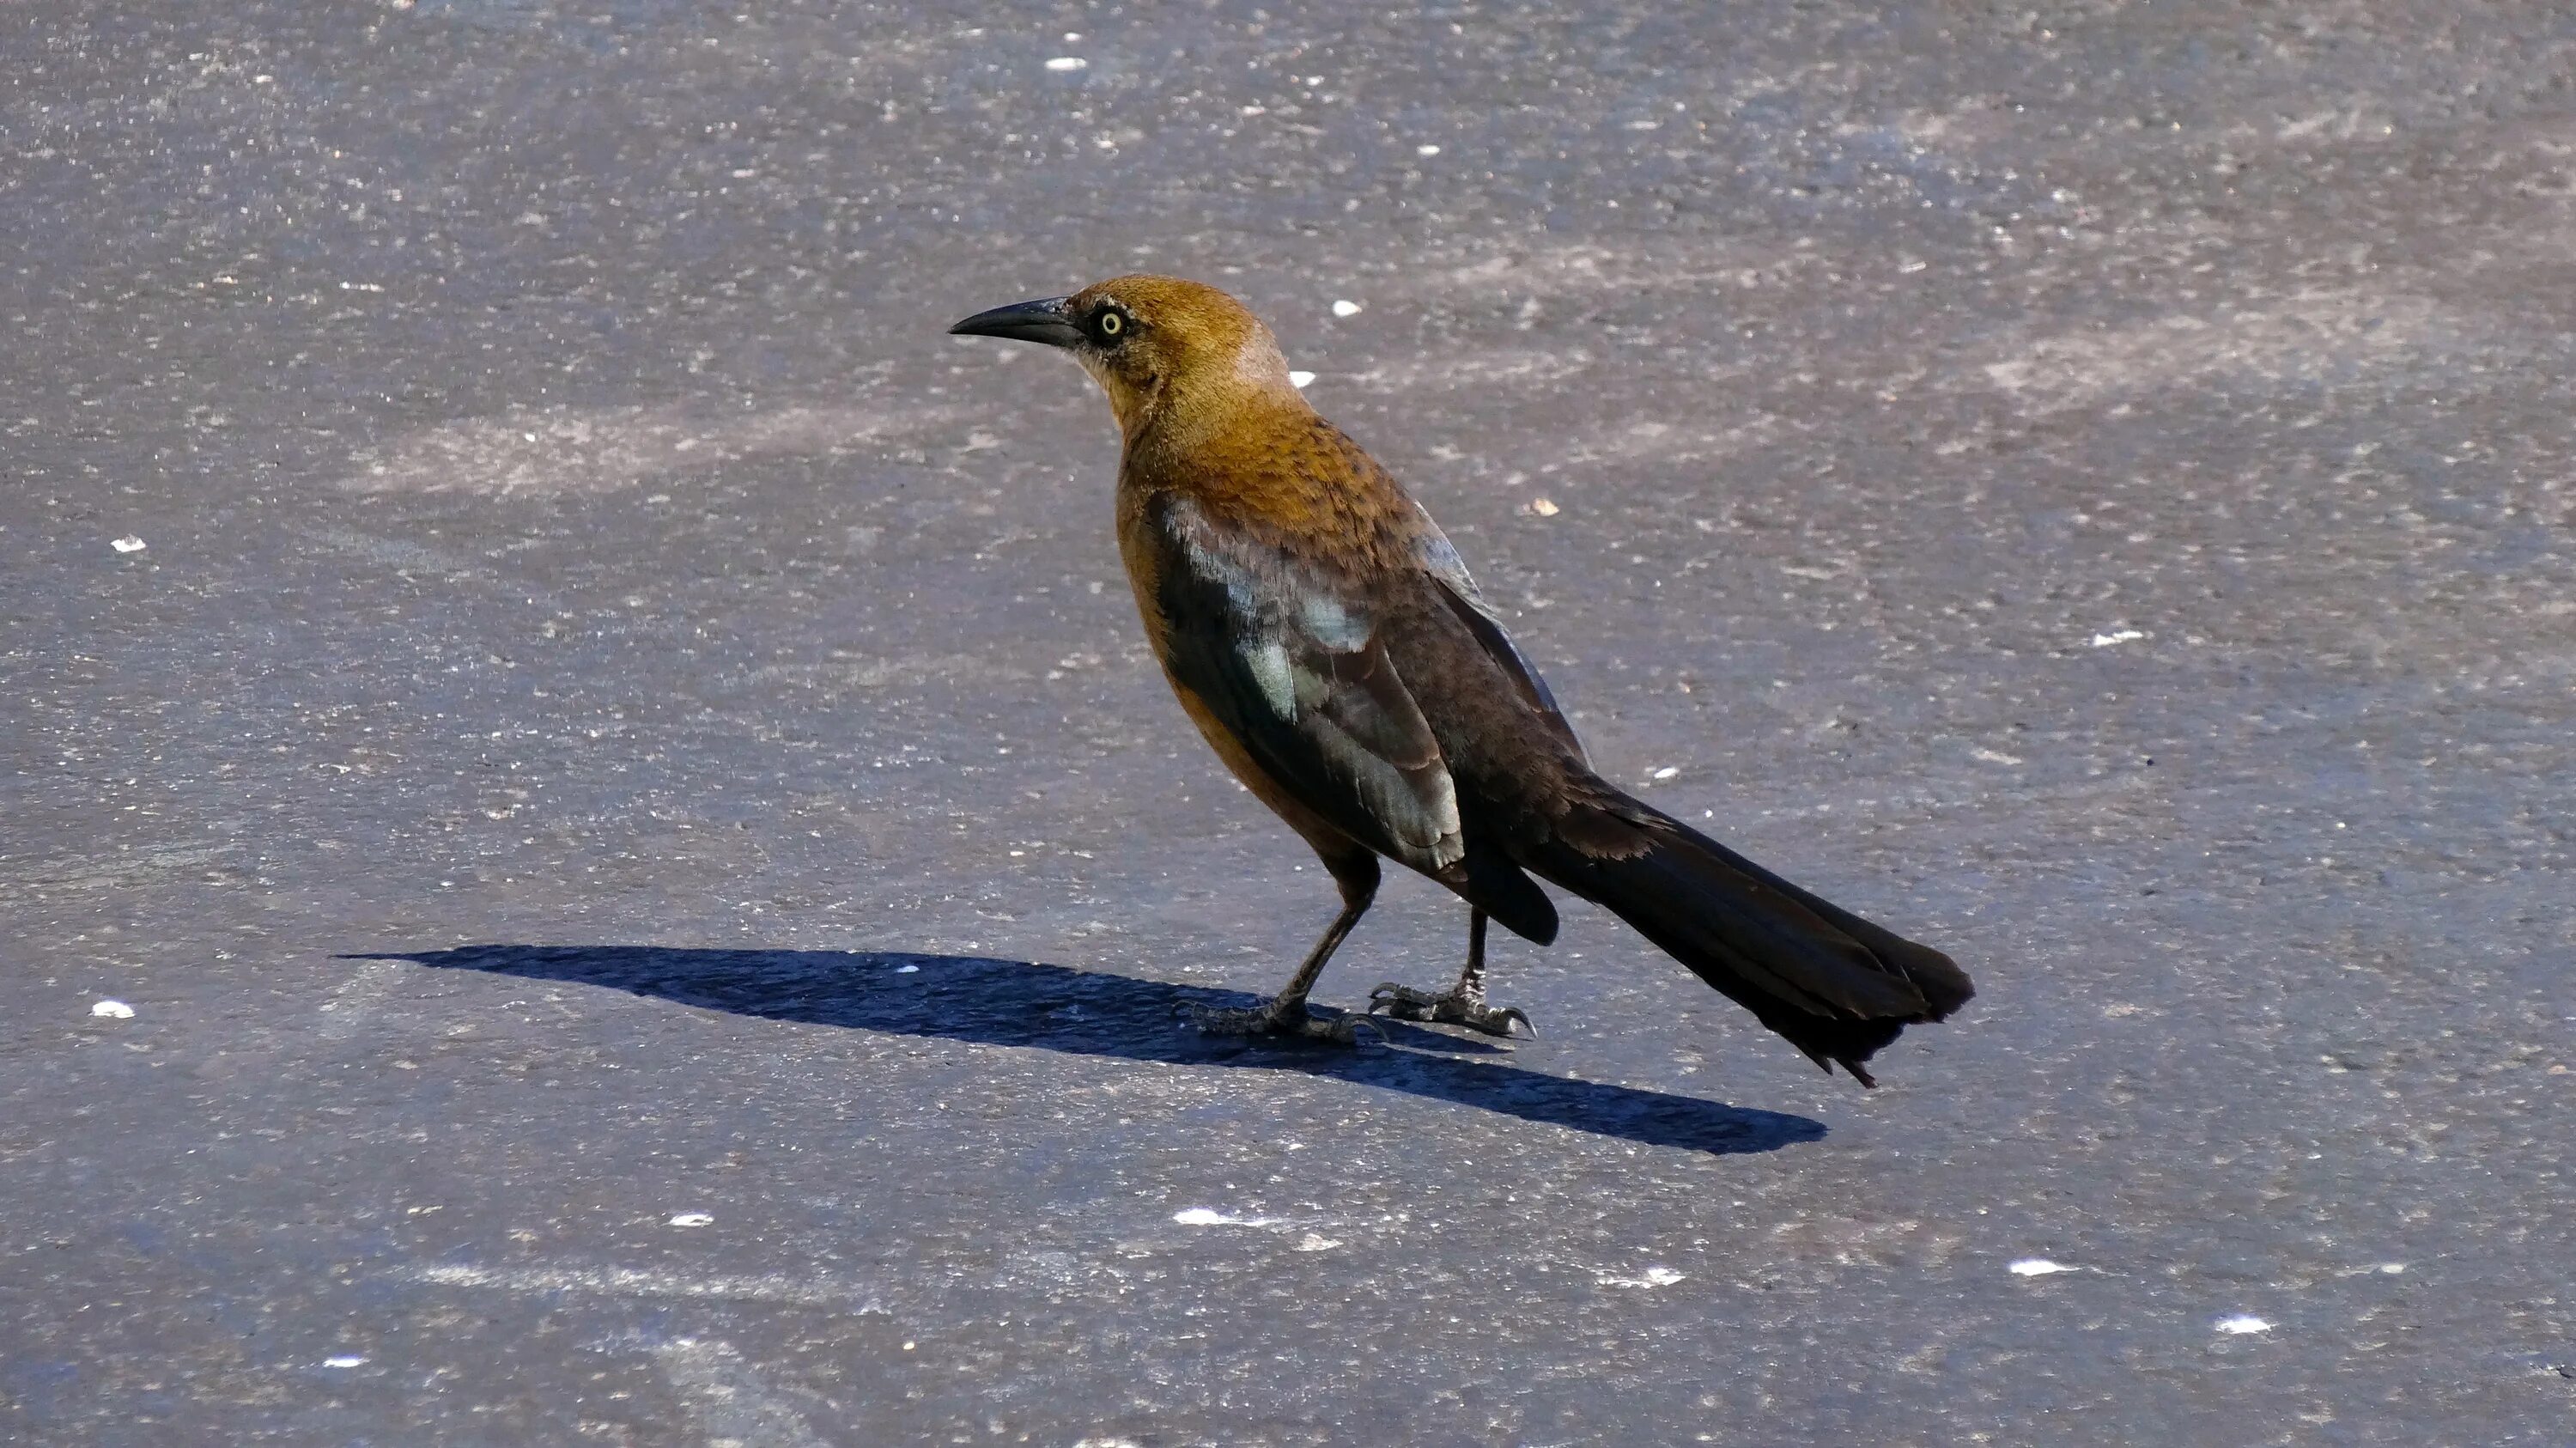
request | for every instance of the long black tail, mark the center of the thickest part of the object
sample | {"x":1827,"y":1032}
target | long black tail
{"x":1837,"y":986}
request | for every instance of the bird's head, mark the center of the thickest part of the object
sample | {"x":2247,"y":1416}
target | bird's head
{"x":1169,"y":353}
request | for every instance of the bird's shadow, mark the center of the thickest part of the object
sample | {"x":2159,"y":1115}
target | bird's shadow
{"x":1087,"y":1013}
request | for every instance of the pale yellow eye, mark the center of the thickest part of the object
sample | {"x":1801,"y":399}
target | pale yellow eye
{"x":1111,"y":324}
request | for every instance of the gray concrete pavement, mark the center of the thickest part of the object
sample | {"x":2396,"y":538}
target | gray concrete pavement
{"x":653,"y":874}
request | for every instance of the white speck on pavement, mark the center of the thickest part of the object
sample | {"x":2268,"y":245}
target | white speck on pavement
{"x":1210,"y":1217}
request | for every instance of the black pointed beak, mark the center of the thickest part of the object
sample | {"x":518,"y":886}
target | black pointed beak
{"x":1045,"y":320}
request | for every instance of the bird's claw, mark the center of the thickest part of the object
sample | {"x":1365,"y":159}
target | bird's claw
{"x":1292,"y":1021}
{"x":1405,"y":1003}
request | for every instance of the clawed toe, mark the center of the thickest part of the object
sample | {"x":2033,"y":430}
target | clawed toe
{"x":1405,"y":1003}
{"x":1272,"y":1019}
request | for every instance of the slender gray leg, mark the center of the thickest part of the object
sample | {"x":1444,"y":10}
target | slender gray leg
{"x":1471,"y":981}
{"x":1464,"y":1005}
{"x":1285,"y":1013}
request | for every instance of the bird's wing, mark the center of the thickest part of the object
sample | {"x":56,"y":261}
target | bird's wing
{"x":1285,"y":652}
{"x":1458,"y":589}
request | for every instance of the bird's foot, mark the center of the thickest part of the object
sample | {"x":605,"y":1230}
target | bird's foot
{"x":1453,"y":1009}
{"x":1283,"y":1019}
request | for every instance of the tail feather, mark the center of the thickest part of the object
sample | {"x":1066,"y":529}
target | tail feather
{"x":1838,"y":987}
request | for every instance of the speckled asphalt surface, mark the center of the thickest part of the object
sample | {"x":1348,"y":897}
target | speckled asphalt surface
{"x":653,"y":874}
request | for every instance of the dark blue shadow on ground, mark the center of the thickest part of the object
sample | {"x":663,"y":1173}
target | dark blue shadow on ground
{"x":1013,"y":1003}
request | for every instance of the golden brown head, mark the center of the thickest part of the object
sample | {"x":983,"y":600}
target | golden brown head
{"x":1171,"y":354}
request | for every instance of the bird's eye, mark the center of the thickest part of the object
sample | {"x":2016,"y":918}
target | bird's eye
{"x":1109,"y":324}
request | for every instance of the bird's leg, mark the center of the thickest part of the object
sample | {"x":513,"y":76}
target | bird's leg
{"x":1285,"y":1013}
{"x":1464,"y":1005}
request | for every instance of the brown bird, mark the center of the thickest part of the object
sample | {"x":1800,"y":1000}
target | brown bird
{"x":1325,"y":637}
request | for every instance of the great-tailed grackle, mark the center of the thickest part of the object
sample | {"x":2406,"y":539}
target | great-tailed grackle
{"x":1325,"y":637}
